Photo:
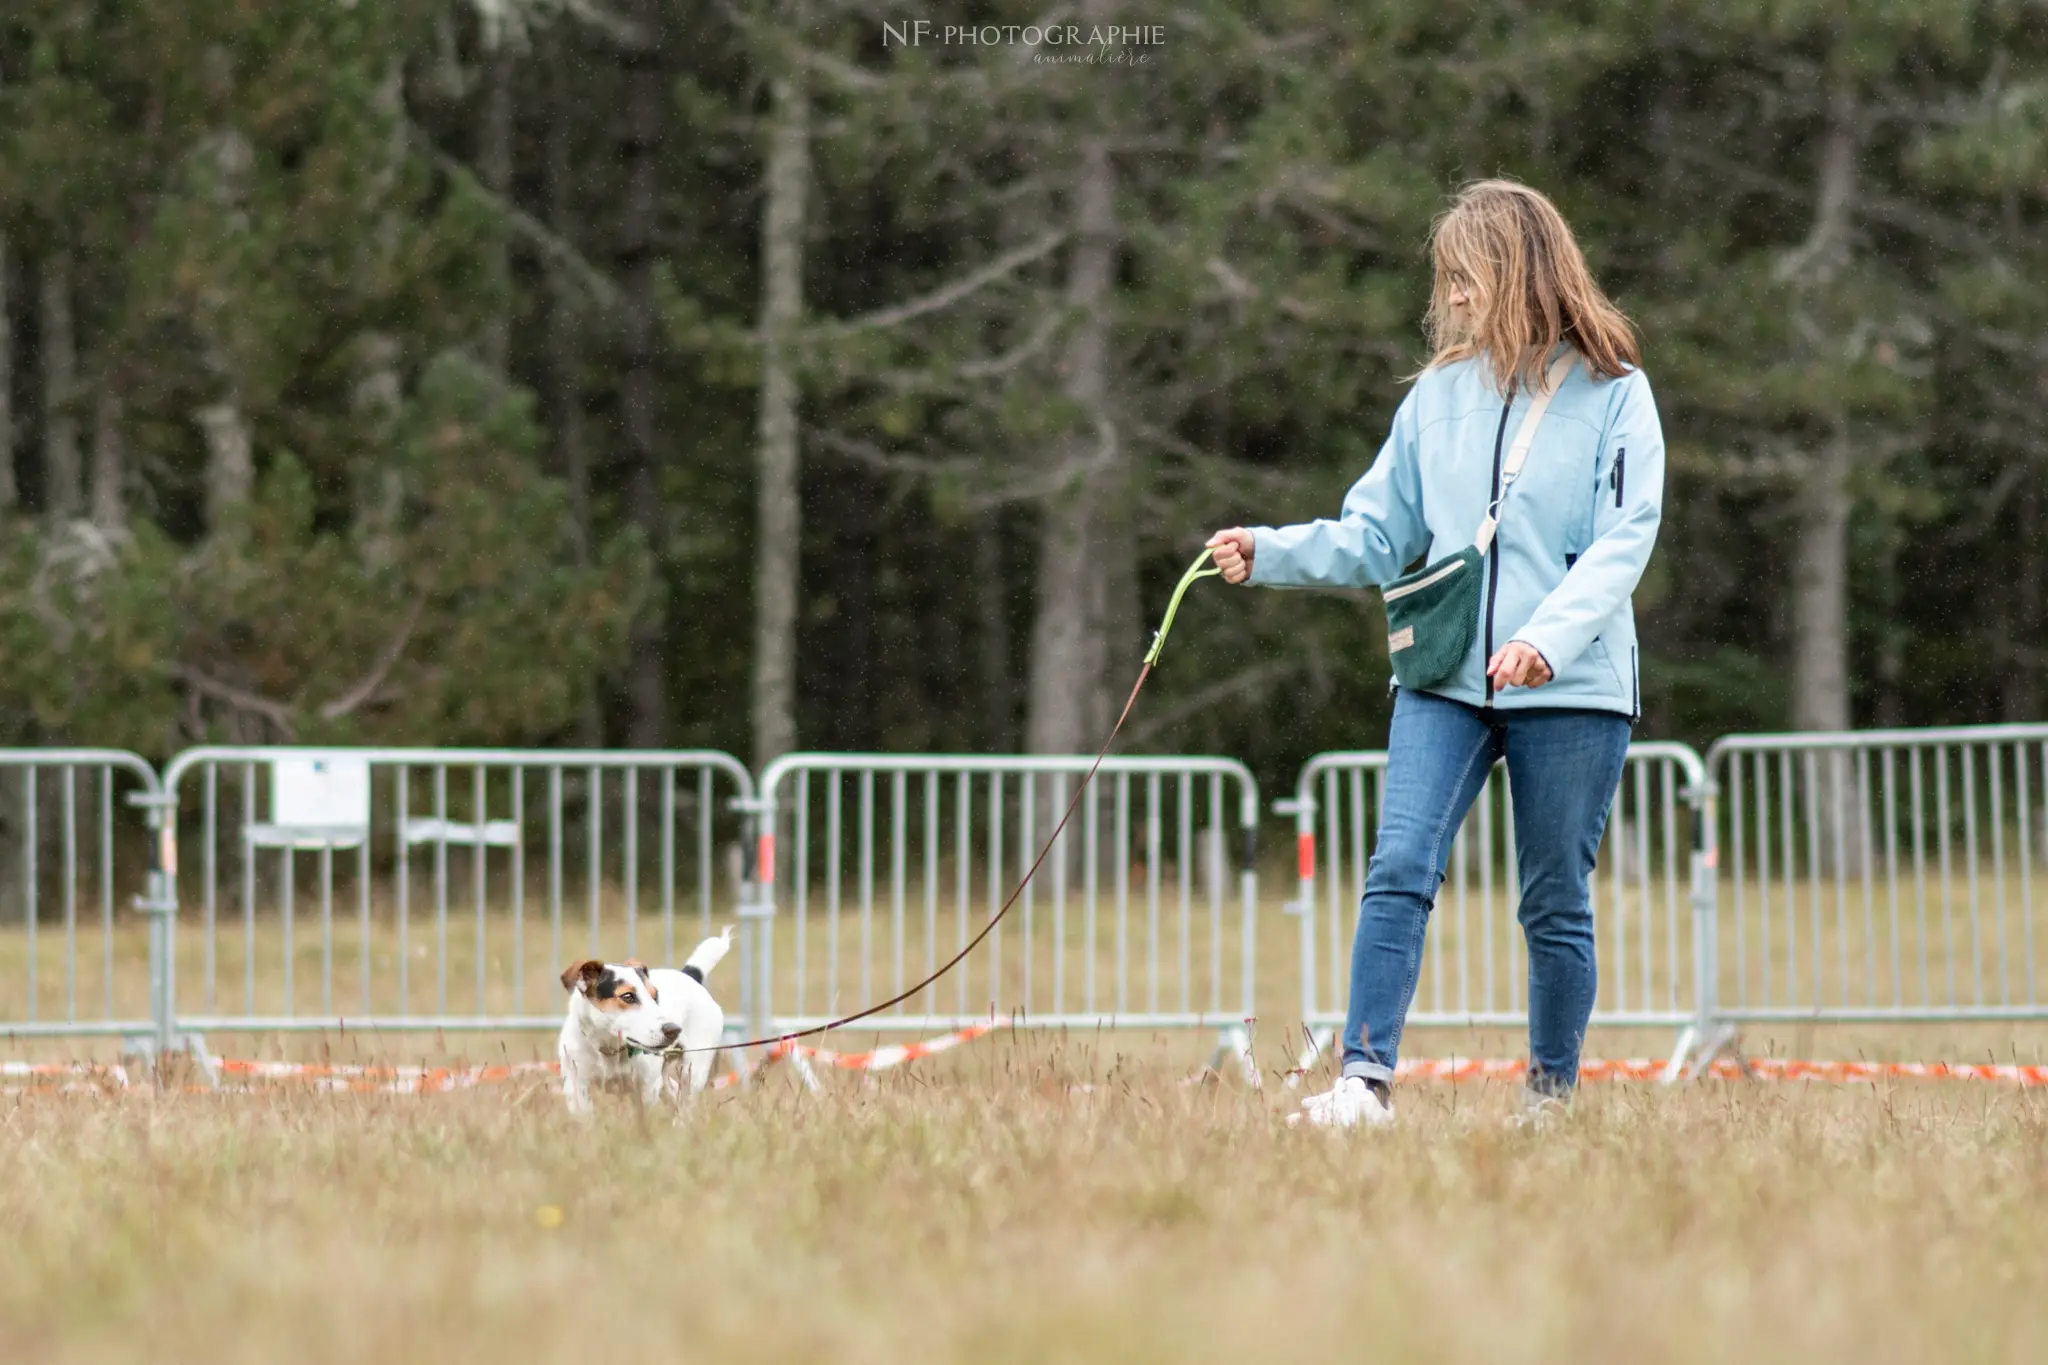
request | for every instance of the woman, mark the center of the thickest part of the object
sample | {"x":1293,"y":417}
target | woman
{"x":1549,"y":682}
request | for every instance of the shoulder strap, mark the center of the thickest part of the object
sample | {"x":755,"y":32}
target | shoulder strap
{"x":1525,"y":436}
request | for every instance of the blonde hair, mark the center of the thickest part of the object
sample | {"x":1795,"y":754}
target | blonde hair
{"x":1511,"y":248}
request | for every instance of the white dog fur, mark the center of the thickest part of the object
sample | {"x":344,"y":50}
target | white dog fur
{"x":640,"y":1028}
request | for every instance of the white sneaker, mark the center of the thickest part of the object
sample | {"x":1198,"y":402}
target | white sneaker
{"x":1351,"y":1104}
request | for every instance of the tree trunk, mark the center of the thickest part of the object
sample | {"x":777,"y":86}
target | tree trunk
{"x":230,"y":465}
{"x":10,"y":491}
{"x":1820,"y":593}
{"x":639,"y":134}
{"x":779,"y":508}
{"x":379,"y":391}
{"x":1820,"y":601}
{"x":1820,"y":604}
{"x":109,"y":461}
{"x":230,"y":452}
{"x":63,"y":491}
{"x":1082,"y":614}
{"x":230,"y":461}
{"x":380,"y":489}
{"x":1082,"y":610}
{"x":494,"y":169}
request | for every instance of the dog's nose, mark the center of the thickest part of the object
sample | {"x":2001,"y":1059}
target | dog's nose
{"x":671,"y":1032}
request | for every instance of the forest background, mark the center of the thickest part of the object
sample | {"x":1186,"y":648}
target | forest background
{"x":746,"y":375}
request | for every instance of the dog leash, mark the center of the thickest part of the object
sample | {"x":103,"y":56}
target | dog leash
{"x":1187,"y":580}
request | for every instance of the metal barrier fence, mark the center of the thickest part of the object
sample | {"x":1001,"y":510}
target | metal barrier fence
{"x":74,"y":960}
{"x":1651,"y":890}
{"x":438,"y":889}
{"x":876,"y":868}
{"x":1881,"y":876}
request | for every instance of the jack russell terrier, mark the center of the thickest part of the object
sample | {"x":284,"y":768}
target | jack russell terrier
{"x":640,"y":1028}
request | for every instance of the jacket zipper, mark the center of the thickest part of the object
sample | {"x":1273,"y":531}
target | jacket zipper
{"x":1620,"y":462}
{"x":1493,"y":550}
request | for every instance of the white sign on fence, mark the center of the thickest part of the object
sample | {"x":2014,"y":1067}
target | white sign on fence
{"x":316,"y":802}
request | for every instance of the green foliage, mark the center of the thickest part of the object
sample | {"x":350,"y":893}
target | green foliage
{"x":461,"y":617}
{"x":285,"y":203}
{"x":86,"y":627}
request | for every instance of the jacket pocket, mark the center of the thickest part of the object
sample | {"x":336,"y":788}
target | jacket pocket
{"x":1599,"y":654}
{"x":1620,"y":473}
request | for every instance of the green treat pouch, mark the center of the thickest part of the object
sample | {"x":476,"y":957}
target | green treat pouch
{"x":1432,"y":615}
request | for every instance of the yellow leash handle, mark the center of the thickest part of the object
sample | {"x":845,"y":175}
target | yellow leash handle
{"x":1187,"y":580}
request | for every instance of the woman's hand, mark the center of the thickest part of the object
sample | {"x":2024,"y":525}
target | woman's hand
{"x":1517,"y":665}
{"x":1233,"y":553}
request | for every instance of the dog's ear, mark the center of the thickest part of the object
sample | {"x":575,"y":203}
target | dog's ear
{"x":583,"y":973}
{"x":641,"y":967}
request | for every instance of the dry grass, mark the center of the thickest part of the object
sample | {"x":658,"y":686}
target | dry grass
{"x":1027,"y":1199}
{"x":986,"y":1209}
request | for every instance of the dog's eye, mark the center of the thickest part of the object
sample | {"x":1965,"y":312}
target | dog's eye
{"x":628,"y":998}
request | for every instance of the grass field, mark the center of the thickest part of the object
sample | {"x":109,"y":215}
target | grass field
{"x":1030,"y":1198}
{"x":992,"y":1209}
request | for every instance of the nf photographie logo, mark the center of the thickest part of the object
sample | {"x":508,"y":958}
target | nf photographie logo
{"x":1103,"y":44}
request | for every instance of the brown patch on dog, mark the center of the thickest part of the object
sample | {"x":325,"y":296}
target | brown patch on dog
{"x":648,"y":977}
{"x":587,"y":974}
{"x":612,"y":991}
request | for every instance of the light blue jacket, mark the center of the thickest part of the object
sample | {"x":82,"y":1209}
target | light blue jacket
{"x":1576,"y":529}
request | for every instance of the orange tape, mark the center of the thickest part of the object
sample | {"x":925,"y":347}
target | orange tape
{"x":424,"y":1080}
{"x":1764,"y":1068}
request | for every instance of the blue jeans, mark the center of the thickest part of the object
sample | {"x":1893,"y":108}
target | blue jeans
{"x":1563,"y":769}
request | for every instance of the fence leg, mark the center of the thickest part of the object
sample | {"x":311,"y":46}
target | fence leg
{"x":1236,"y":1042}
{"x":160,"y":903}
{"x":1705,"y":1037}
{"x":1697,"y":1049}
{"x":1319,"y":1042}
{"x":757,"y":912}
{"x":1681,"y":1053}
{"x":141,"y":1052}
{"x":193,"y":1045}
{"x":755,"y":965}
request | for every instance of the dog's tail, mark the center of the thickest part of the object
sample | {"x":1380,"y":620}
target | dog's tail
{"x":708,"y":954}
